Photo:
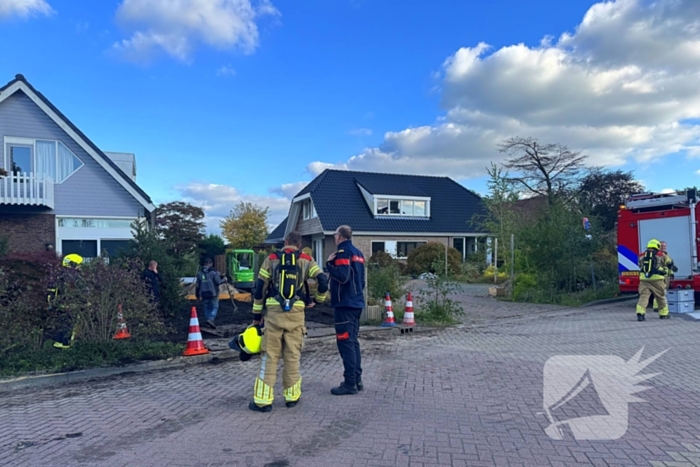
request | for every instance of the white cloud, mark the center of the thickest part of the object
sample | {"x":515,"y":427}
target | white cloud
{"x":289,"y":190}
{"x":668,"y":190}
{"x":24,"y":8}
{"x":218,"y":201}
{"x":226,"y":70}
{"x":617,"y":88}
{"x":177,"y":26}
{"x":361,"y":132}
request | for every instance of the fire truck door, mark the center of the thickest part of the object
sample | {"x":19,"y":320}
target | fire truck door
{"x":675,"y":231}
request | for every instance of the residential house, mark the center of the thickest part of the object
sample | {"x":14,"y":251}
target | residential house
{"x":62,"y":190}
{"x":387,"y":212}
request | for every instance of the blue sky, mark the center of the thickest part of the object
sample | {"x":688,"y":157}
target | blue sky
{"x":256,"y":100}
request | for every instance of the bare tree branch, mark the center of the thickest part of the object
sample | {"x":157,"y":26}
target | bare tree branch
{"x":544,"y":169}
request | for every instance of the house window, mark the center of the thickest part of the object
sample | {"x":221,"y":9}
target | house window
{"x":399,"y":250}
{"x":84,"y":248}
{"x":20,"y":159}
{"x":404,"y":248}
{"x":113,"y":247}
{"x":308,"y":209}
{"x":95,"y":223}
{"x":401,"y":207}
{"x":41,"y":157}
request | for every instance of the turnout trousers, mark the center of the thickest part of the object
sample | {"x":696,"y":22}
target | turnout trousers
{"x":657,"y":288}
{"x":667,"y":283}
{"x":283,"y":338}
{"x":347,"y":328}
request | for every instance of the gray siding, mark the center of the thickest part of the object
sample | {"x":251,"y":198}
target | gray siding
{"x":309,"y":226}
{"x":91,"y":191}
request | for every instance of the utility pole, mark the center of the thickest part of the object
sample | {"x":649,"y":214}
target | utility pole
{"x":495,"y":262}
{"x":447,"y":245}
{"x":512,"y":260}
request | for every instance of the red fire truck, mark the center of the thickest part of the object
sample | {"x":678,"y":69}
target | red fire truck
{"x":666,"y":217}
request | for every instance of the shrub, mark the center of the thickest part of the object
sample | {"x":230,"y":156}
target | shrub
{"x":4,"y":245}
{"x":382,"y":258}
{"x":146,"y":246}
{"x":91,"y":296}
{"x":23,"y":311}
{"x":435,"y":306}
{"x":422,"y":259}
{"x":491,"y":271}
{"x":381,"y":280}
{"x":525,"y":284}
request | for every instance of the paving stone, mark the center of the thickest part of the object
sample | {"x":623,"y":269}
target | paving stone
{"x":469,"y":395}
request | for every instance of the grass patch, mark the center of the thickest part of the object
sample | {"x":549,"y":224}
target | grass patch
{"x":84,"y":355}
{"x":572,"y":299}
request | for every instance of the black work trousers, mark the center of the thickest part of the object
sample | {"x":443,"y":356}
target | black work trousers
{"x":347,"y":329}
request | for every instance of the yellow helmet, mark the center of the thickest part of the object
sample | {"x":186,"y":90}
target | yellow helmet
{"x":653,"y":243}
{"x":248,"y":343}
{"x":72,"y":258}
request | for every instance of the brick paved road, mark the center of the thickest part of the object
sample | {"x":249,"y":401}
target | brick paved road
{"x":465,"y":396}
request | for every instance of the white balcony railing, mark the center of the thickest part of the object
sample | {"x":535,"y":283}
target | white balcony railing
{"x":27,"y":189}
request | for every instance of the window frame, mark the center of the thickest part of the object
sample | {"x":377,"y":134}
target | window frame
{"x":308,"y":210}
{"x":417,"y":244}
{"x":9,"y":141}
{"x":385,"y":201}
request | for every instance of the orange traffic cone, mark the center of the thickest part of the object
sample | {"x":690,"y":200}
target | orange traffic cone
{"x":195,"y":344}
{"x":389,"y":321}
{"x":122,"y":331}
{"x":408,"y":319}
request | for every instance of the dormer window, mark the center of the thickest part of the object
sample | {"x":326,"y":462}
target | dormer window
{"x":399,"y":206}
{"x":308,"y":210}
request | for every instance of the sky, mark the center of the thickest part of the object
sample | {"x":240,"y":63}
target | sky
{"x":224,"y":101}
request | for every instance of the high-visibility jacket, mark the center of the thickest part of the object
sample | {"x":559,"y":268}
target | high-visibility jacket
{"x":309,"y":270}
{"x":663,"y":262}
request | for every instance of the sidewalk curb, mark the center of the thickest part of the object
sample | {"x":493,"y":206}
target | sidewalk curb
{"x":611,"y":300}
{"x":39,"y":381}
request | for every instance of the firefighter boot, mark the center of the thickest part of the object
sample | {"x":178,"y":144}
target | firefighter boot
{"x":344,"y":390}
{"x":641,"y":313}
{"x":663,"y":313}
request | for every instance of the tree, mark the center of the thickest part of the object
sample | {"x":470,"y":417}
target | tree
{"x":211,"y":246}
{"x":180,"y":225}
{"x":246,"y":225}
{"x":545,"y":169}
{"x":602,"y":192}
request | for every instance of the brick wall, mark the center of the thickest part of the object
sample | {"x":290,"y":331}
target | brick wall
{"x":28,"y":232}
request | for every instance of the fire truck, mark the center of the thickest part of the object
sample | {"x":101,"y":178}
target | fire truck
{"x":668,"y":217}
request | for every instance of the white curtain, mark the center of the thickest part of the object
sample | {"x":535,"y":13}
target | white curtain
{"x":67,"y":163}
{"x":46,"y":159}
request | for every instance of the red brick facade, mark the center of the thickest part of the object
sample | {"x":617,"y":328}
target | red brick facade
{"x":28,"y":232}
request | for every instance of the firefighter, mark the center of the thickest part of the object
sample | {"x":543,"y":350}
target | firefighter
{"x":67,"y":327}
{"x":278,"y":286}
{"x":653,"y":268}
{"x":669,"y":276}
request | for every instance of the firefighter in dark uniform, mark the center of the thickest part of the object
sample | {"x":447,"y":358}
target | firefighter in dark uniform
{"x":284,"y":322}
{"x":347,"y":282}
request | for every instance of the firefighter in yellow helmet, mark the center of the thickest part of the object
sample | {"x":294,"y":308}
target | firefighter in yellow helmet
{"x":279,"y":286}
{"x":653,"y":268}
{"x":65,"y":336}
{"x":669,"y":276}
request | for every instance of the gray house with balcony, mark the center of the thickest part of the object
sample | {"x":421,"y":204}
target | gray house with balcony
{"x":394,"y":213}
{"x":61,"y":190}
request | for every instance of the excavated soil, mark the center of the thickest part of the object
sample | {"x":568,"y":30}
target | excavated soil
{"x":230,"y":321}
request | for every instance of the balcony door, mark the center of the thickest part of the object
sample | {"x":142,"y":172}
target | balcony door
{"x":20,"y":159}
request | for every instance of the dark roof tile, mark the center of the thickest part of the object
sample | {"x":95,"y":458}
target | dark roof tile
{"x":338,"y":200}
